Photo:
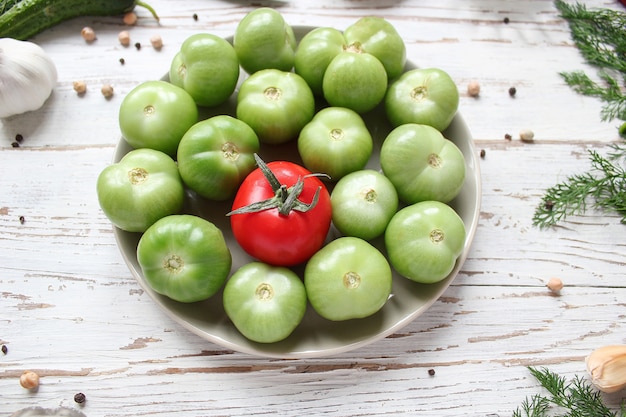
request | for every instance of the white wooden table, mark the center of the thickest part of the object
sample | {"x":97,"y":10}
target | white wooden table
{"x":71,"y":311}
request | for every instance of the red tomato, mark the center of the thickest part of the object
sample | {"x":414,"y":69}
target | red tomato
{"x":282,"y":239}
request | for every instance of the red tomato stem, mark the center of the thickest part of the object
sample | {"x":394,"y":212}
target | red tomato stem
{"x":285,"y":199}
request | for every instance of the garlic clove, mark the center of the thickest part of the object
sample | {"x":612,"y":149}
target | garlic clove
{"x":27,"y":77}
{"x":607,"y":368}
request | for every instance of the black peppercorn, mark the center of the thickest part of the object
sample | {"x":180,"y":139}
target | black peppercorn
{"x":15,"y":144}
{"x":512,"y":91}
{"x":5,"y":349}
{"x":195,"y":16}
{"x":80,"y":398}
{"x":431,"y":372}
{"x":506,"y":20}
{"x":138,"y":46}
{"x":507,"y":136}
{"x":122,"y":61}
{"x":19,"y":138}
{"x":482,"y":153}
{"x":22,"y":219}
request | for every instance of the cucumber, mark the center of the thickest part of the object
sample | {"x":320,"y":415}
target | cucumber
{"x":23,"y":19}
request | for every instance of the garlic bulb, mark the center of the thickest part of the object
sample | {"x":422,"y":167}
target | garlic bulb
{"x":27,"y":77}
{"x":607,"y":368}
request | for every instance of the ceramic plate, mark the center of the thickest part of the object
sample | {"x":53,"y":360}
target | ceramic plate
{"x":315,"y":337}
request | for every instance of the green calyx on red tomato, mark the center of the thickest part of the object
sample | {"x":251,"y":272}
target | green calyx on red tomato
{"x":425,"y":96}
{"x":424,"y":240}
{"x":265,"y":303}
{"x":281,"y":213}
{"x":263,"y":40}
{"x":347,"y":279}
{"x":184,"y":257}
{"x":141,"y":188}
{"x":275,"y":104}
{"x":215,"y":155}
{"x":156,"y":115}
{"x":422,"y":164}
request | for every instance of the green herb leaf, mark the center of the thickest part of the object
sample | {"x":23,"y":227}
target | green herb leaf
{"x":576,"y":398}
{"x":600,"y":35}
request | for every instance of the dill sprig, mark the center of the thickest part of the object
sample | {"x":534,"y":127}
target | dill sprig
{"x":600,"y":36}
{"x":575,"y":398}
{"x":603,"y":187}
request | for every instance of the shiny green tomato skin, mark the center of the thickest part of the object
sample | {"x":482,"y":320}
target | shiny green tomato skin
{"x":422,"y":164}
{"x":275,"y":104}
{"x":141,"y":188}
{"x":315,"y":52}
{"x":263,"y":40}
{"x":347,"y":279}
{"x":363,"y":203}
{"x":207,"y":67}
{"x":424,"y":240}
{"x":424,"y":96}
{"x":184,"y":257}
{"x":336,"y":142}
{"x":265,"y":303}
{"x":156,"y":115}
{"x":357,"y":81}
{"x":215,"y":155}
{"x":378,"y":37}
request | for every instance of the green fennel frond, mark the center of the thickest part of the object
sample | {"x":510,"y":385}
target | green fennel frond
{"x":575,"y":398}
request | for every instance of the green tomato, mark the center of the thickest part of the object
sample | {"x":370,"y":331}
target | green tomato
{"x":263,"y":40}
{"x":315,"y":51}
{"x":354,"y":80}
{"x":141,"y":188}
{"x":422,"y":164}
{"x":275,"y":104}
{"x":156,"y":115}
{"x":265,"y":303}
{"x":380,"y":38}
{"x":184,"y":257}
{"x":347,"y":279}
{"x":371,"y":35}
{"x":336,"y":142}
{"x":426,"y":96}
{"x":363,"y":203}
{"x":424,"y":240}
{"x":215,"y":155}
{"x":207,"y":67}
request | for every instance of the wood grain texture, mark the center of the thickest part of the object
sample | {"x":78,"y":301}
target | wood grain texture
{"x":71,"y":311}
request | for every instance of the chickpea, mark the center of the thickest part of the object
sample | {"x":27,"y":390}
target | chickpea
{"x":80,"y":87}
{"x":157,"y":42}
{"x":107,"y":90}
{"x":124,"y":38}
{"x":555,"y":285}
{"x":526,"y":135}
{"x":29,"y":380}
{"x":88,"y":34}
{"x":473,"y":89}
{"x":130,"y":18}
